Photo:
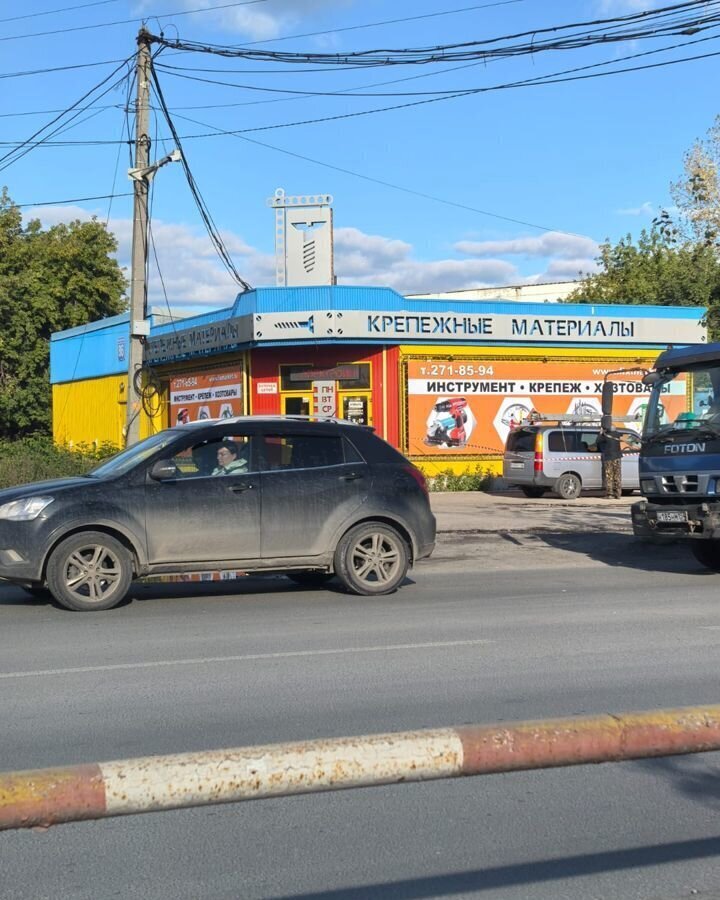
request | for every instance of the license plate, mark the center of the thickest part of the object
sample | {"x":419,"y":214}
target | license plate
{"x":517,"y":465}
{"x":671,"y":515}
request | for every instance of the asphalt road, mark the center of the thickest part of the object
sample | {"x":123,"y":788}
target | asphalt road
{"x":493,"y":628}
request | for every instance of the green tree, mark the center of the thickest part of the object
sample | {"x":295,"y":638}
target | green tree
{"x":661,"y":268}
{"x":50,"y":279}
{"x":697,"y":192}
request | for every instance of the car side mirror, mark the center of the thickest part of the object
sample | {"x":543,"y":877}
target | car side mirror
{"x":163,"y":470}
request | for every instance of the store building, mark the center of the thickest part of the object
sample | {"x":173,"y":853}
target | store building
{"x":442,"y":380}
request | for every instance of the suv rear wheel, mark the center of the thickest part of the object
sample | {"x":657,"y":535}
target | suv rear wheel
{"x":568,"y":486}
{"x":89,"y":570}
{"x":372,"y":559}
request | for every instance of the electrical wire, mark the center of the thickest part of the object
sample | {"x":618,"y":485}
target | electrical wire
{"x":212,"y":229}
{"x":72,"y":200}
{"x":539,"y":81}
{"x":669,"y":20}
{"x":52,"y":12}
{"x":105,"y":62}
{"x":29,"y":144}
{"x":174,"y":13}
{"x":390,"y":184}
{"x":433,"y":15}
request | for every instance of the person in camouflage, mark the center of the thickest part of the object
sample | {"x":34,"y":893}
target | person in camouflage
{"x":611,"y":452}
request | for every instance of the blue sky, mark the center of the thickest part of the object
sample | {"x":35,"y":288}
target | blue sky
{"x":583,"y":161}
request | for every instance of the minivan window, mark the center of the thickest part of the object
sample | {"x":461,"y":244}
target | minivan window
{"x":563,"y":442}
{"x":521,"y":440}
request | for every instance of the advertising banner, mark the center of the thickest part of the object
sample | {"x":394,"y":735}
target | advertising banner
{"x":206,"y":395}
{"x":468,"y":406}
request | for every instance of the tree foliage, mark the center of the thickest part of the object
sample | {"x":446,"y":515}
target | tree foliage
{"x":50,"y":279}
{"x":656,"y":269}
{"x":697,"y":192}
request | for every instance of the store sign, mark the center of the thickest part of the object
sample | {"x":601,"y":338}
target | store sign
{"x":459,"y":327}
{"x":324,"y":398}
{"x":470,"y":405}
{"x":348,"y":372}
{"x":212,"y":337}
{"x":206,"y":395}
{"x":267,"y":387}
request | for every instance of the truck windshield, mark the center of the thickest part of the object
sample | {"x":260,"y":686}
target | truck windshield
{"x":685,"y":401}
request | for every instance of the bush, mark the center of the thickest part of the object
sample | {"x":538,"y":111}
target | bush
{"x":476,"y":479}
{"x":37,"y":458}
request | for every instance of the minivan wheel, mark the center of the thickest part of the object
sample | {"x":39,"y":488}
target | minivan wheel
{"x":707,"y":553}
{"x":372,"y":559}
{"x":90,"y":570}
{"x":568,"y":486}
{"x":530,"y":491}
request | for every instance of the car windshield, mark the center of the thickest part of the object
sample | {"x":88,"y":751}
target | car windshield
{"x":685,"y":401}
{"x":127,"y":459}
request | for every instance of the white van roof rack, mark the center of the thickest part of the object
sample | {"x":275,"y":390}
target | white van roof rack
{"x":572,"y":418}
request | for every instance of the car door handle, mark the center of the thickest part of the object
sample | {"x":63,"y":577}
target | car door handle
{"x":239,"y":488}
{"x":352,"y":476}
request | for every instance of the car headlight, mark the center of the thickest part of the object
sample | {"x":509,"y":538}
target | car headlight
{"x":24,"y":510}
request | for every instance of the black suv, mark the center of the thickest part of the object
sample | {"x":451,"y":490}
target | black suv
{"x":311,"y":499}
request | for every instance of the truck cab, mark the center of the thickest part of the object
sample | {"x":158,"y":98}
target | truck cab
{"x":679,"y":464}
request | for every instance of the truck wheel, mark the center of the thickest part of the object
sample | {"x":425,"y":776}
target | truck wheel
{"x":89,"y":570}
{"x":568,"y":486}
{"x":530,"y":491}
{"x":372,"y":559}
{"x":707,"y":553}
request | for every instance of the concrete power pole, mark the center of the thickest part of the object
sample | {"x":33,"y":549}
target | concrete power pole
{"x":138,"y":279}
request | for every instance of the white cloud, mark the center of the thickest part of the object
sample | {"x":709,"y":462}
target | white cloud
{"x":552,"y":243}
{"x":195,"y":279}
{"x":257,"y":21}
{"x":622,"y":7}
{"x":646,"y":209}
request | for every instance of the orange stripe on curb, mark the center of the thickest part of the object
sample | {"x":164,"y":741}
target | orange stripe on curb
{"x":592,"y":739}
{"x":49,"y":796}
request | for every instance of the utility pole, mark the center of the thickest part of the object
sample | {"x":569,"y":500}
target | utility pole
{"x":138,"y":278}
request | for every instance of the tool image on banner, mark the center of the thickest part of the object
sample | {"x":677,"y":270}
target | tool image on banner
{"x":450,"y":423}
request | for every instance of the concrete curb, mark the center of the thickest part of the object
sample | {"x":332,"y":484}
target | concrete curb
{"x":100,"y":790}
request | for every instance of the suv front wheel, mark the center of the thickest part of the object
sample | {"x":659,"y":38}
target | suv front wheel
{"x":372,"y":559}
{"x":89,"y":570}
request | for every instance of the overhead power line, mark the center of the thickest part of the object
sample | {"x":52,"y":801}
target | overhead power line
{"x":52,"y":12}
{"x":685,"y":18}
{"x":105,"y":62}
{"x":203,"y":209}
{"x":72,"y":200}
{"x":135,"y":21}
{"x":539,"y":81}
{"x":432,"y":15}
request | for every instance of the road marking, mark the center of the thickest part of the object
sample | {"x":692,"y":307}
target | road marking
{"x":246,"y":657}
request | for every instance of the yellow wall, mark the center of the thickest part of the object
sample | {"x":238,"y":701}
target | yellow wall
{"x":94,"y":412}
{"x":433,"y":465}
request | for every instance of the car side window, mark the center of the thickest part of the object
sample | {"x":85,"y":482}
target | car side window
{"x":301,"y":451}
{"x":562,"y":441}
{"x":221,"y":455}
{"x":588,"y":441}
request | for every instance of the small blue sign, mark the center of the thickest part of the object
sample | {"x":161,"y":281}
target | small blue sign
{"x":121,"y":347}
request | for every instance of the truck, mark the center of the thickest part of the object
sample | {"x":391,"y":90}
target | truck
{"x":679,"y":463}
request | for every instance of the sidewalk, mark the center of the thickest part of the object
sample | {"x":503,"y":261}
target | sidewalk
{"x":510,"y":511}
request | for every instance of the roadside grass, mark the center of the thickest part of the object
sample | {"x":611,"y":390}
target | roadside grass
{"x":472,"y":479}
{"x":37,"y":458}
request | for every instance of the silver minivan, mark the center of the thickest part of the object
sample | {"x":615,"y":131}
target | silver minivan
{"x":564,"y":459}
